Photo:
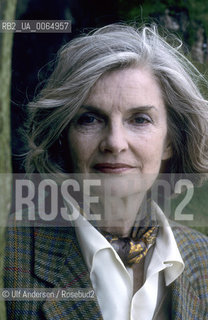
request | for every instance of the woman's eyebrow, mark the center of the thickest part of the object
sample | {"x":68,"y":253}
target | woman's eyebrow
{"x":133,"y":109}
{"x":142,"y":108}
{"x":92,"y":109}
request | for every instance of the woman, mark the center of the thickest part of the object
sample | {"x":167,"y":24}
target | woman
{"x":121,"y":106}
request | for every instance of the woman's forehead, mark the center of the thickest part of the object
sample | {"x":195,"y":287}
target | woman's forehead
{"x":132,"y":86}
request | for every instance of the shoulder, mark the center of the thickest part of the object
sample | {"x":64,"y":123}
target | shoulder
{"x":191,"y":243}
{"x":18,"y":256}
{"x":189,"y":239}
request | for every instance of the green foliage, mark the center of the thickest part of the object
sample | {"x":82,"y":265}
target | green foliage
{"x":151,"y":10}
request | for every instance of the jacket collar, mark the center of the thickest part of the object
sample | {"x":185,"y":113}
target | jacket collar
{"x":59,"y":263}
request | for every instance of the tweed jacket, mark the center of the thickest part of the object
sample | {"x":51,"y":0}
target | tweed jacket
{"x":51,"y":258}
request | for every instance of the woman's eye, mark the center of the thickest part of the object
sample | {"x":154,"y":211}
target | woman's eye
{"x":87,"y":119}
{"x":141,"y":119}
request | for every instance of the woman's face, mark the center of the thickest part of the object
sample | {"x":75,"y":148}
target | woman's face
{"x":121,"y":130}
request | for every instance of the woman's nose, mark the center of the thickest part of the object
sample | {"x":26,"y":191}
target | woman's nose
{"x":114,"y":140}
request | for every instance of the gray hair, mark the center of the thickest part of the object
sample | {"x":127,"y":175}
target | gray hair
{"x":82,"y":61}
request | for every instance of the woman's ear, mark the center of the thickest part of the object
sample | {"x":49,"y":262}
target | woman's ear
{"x":167,"y":151}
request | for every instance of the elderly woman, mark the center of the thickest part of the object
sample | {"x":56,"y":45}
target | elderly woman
{"x":121,"y":107}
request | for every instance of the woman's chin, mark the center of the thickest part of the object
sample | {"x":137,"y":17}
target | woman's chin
{"x":124,"y":185}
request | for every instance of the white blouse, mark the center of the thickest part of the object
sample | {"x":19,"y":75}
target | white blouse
{"x":113,"y":282}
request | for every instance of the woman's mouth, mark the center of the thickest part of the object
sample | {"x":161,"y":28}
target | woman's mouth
{"x":114,"y":168}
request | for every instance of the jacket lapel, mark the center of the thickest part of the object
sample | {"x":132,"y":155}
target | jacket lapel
{"x":186,"y":302}
{"x":59,"y":263}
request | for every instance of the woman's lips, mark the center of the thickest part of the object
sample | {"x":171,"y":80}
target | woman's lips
{"x":112,"y":167}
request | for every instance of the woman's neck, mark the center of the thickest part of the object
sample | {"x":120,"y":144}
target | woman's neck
{"x":118,"y":214}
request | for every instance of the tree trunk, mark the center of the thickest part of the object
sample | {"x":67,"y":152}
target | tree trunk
{"x":7,"y":12}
